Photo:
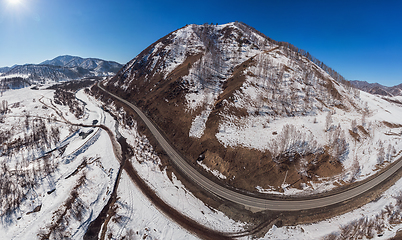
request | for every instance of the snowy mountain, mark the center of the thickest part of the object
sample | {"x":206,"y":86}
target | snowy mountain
{"x":63,"y":68}
{"x":258,"y":114}
{"x":94,"y":64}
{"x":4,"y":69}
{"x":376,"y":88}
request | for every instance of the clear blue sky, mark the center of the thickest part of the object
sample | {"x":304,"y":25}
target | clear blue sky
{"x":360,"y":39}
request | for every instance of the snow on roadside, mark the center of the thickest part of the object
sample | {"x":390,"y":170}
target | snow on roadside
{"x":174,"y":193}
{"x":320,"y":229}
{"x":136,"y":217}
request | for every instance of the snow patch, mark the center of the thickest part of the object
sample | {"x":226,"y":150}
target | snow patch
{"x":215,"y":172}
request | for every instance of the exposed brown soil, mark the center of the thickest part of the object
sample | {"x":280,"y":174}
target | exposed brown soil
{"x":355,"y":135}
{"x":398,"y":236}
{"x":36,"y":209}
{"x":245,"y":168}
{"x":261,"y":222}
{"x":392,"y":125}
{"x":363,"y":130}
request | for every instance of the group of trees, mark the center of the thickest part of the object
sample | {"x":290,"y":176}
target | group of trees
{"x":211,"y":64}
{"x":292,"y":144}
{"x":291,"y":89}
{"x":67,"y":98}
{"x":296,"y":53}
{"x":338,"y":146}
{"x":72,"y":209}
{"x":18,"y":179}
{"x":367,"y":227}
{"x":37,"y":138}
{"x":384,"y":154}
{"x":13,"y":83}
{"x":24,"y":161}
{"x":3,"y":110}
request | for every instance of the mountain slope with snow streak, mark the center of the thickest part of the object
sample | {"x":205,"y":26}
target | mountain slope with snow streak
{"x":259,"y":114}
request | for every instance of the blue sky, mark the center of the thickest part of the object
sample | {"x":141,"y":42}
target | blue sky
{"x":359,"y":39}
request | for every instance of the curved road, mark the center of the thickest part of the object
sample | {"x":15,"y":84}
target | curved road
{"x":250,"y":202}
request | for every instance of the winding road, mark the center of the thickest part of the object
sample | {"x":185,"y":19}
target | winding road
{"x":254,"y":203}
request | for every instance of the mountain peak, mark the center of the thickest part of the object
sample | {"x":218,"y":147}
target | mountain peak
{"x":203,"y":84}
{"x":60,"y":61}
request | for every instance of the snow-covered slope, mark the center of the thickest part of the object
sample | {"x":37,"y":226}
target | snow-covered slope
{"x":260,"y":114}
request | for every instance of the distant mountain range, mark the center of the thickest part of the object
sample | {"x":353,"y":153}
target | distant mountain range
{"x":5,"y":69}
{"x":376,"y":88}
{"x":62,"y":68}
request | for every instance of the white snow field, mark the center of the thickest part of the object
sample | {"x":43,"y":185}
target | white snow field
{"x":138,"y":216}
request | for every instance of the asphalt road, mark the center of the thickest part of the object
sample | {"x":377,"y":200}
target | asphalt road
{"x":250,"y":202}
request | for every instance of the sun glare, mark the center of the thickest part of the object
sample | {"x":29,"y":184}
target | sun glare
{"x":14,"y":2}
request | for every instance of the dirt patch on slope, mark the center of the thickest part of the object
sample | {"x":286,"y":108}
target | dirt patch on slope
{"x":164,"y":102}
{"x":392,"y":125}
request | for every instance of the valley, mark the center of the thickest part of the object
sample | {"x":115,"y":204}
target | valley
{"x":211,"y":132}
{"x":69,"y":194}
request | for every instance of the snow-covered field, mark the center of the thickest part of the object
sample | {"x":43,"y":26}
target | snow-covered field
{"x":93,"y":183}
{"x":55,"y":189}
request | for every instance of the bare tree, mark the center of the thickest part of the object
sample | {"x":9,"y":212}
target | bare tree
{"x":328,"y":121}
{"x":389,"y":153}
{"x":4,"y":107}
{"x":338,"y":144}
{"x":381,"y":153}
{"x":354,"y":126}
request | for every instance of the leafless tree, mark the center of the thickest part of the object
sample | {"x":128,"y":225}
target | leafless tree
{"x":328,"y":121}
{"x":381,"y":153}
{"x":354,"y":126}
